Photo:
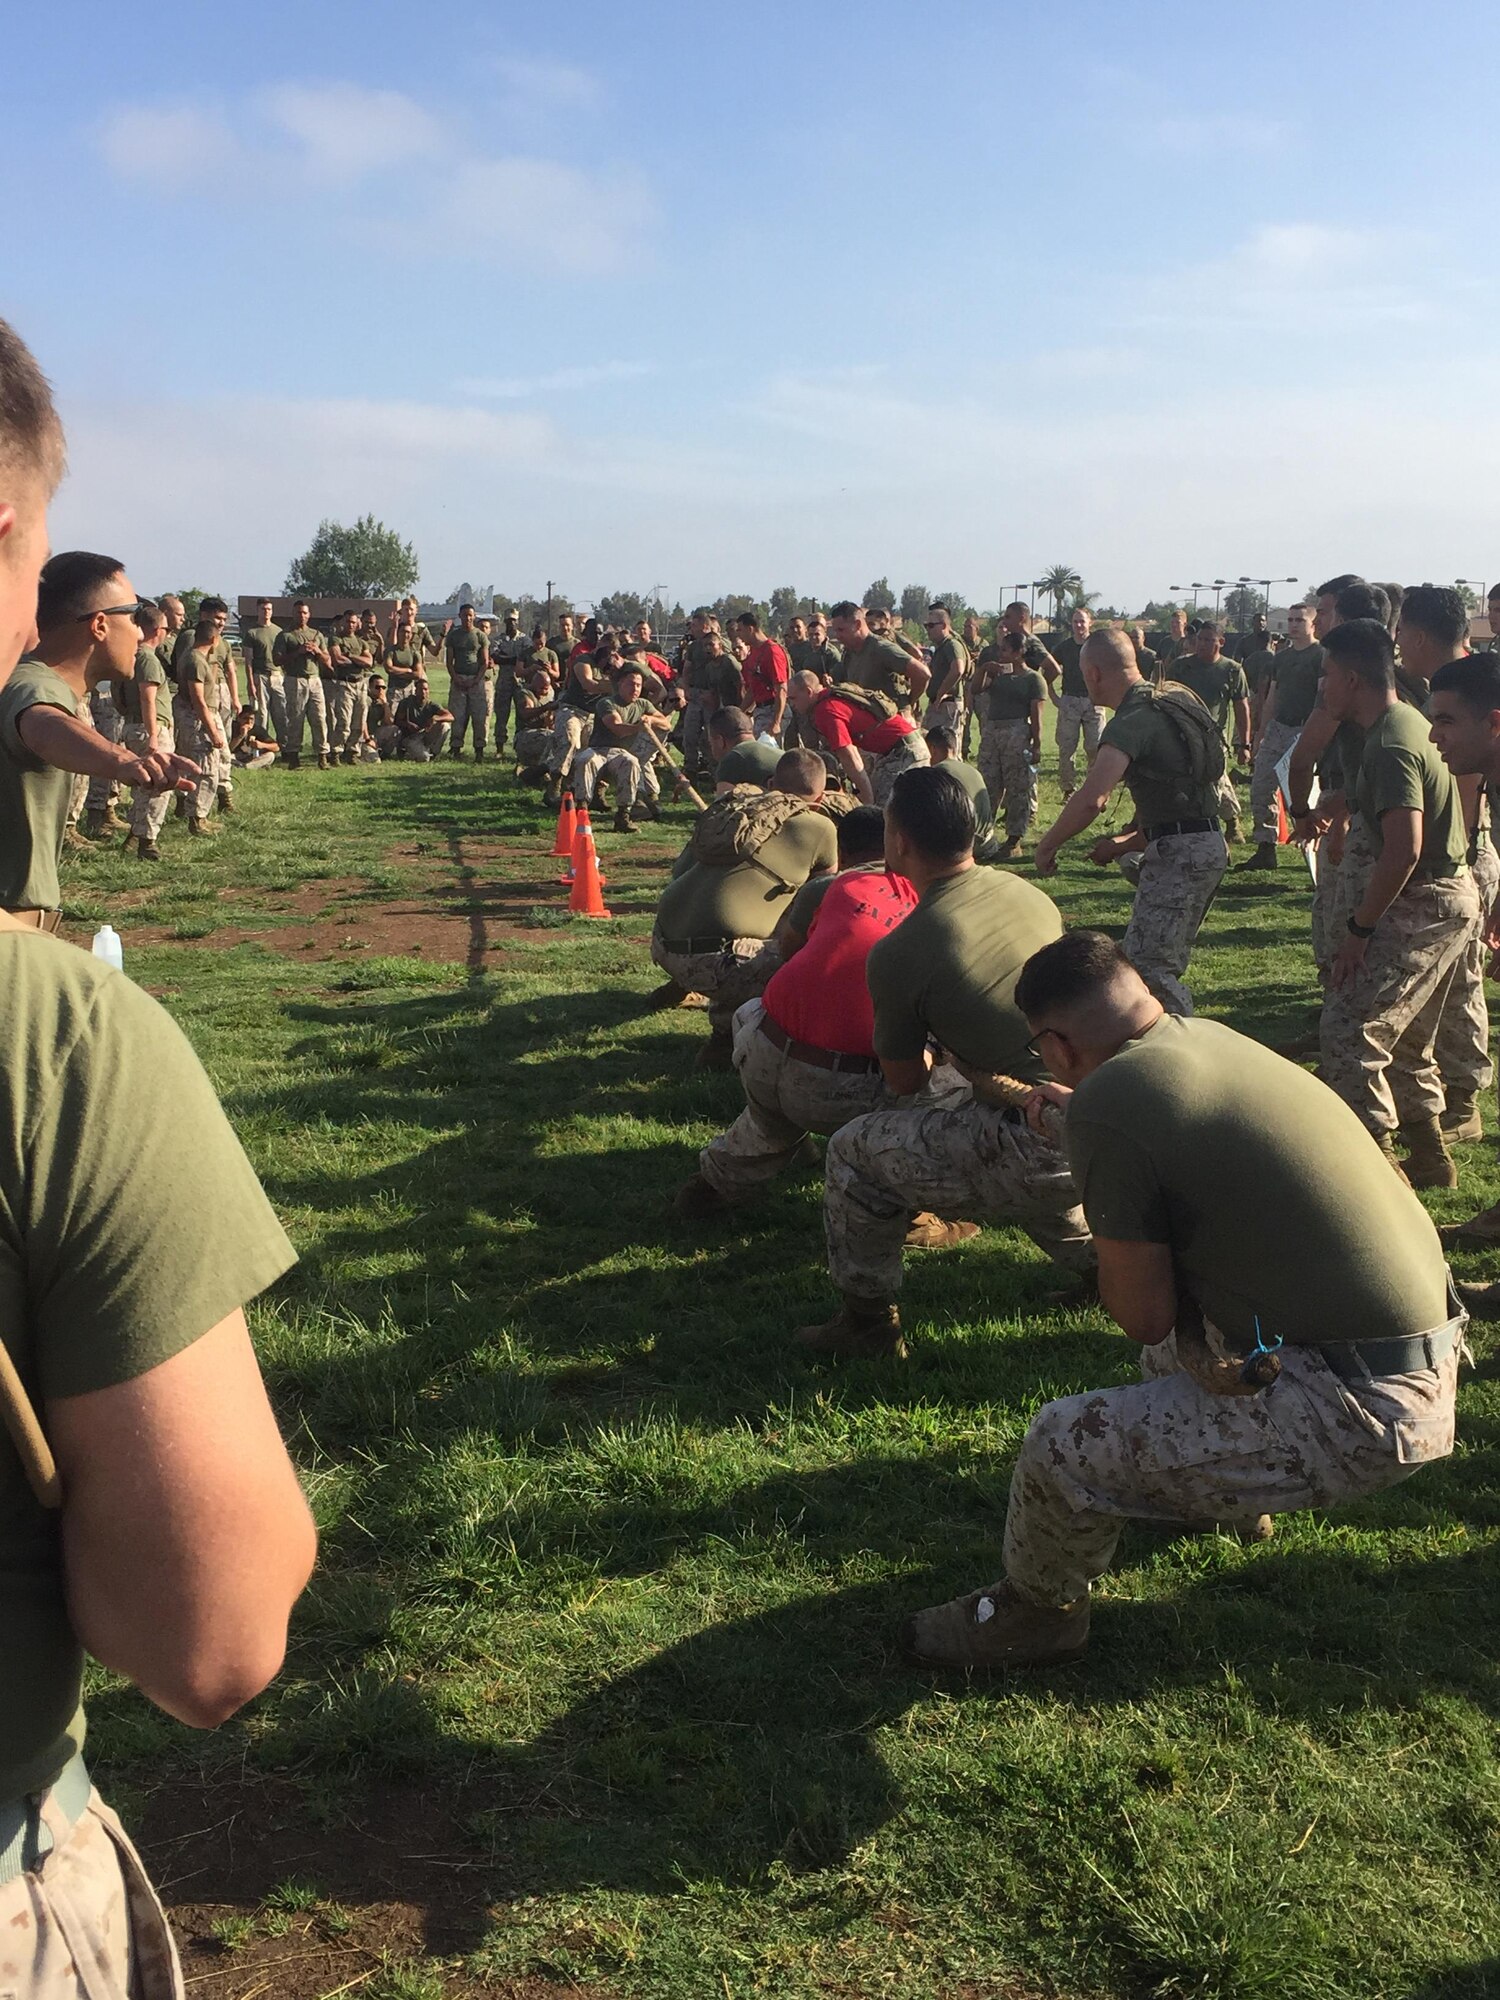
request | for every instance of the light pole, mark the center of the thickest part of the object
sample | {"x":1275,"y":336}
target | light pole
{"x":1265,"y":583}
{"x":659,"y":592}
{"x":1194,"y":588}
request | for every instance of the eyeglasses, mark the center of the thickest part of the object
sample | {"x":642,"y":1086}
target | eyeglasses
{"x":1033,"y":1047}
{"x":117,"y":610}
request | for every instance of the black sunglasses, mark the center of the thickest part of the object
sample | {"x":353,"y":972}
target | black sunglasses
{"x":117,"y":610}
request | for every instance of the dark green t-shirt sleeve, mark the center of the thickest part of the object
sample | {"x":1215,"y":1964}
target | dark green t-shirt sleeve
{"x":20,"y":695}
{"x":1237,"y":688}
{"x":900,"y":1031}
{"x":145,"y":1224}
{"x":1117,"y":1184}
{"x":1394,"y":778}
{"x":1125,"y":732}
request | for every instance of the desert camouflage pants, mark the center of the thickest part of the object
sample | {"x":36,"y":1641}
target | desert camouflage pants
{"x":1462,"y":1048}
{"x":785,"y":1099}
{"x":726,"y":979}
{"x":1340,"y":890}
{"x":1177,"y":881}
{"x":193,"y":742}
{"x":1009,"y":775}
{"x":1165,"y":1449}
{"x":1229,"y":799}
{"x":270,"y":705}
{"x":902,"y":756}
{"x":1075,"y":714}
{"x":1276,"y":739}
{"x":571,"y":732}
{"x":471,"y":702}
{"x":955,"y":1157}
{"x":85,"y":1923}
{"x":533,"y":747}
{"x":419,"y":749}
{"x":630,"y":768}
{"x":349,"y":712}
{"x":101,"y":793}
{"x":947,"y":714}
{"x":148,"y":809}
{"x":1378,"y":1031}
{"x":305,"y":697}
{"x":224,"y":767}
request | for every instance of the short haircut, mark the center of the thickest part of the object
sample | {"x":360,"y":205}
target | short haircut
{"x":749,"y":620}
{"x":625,"y":667}
{"x":933,"y":609}
{"x":1016,"y":605}
{"x":1395,"y":595}
{"x":1362,"y":600}
{"x":934,"y":812}
{"x":802,"y":774}
{"x":151,"y":618}
{"x":31,"y":438}
{"x":1364,"y":647}
{"x":71,"y":586}
{"x":1475,"y":679}
{"x":1337,"y":583}
{"x":212,"y":606}
{"x":728,"y":722}
{"x":861,"y":836}
{"x":845,"y":608}
{"x":1208,"y":625}
{"x":298,"y":604}
{"x":1069,"y":972}
{"x":942,"y":736}
{"x":1013,"y":642}
{"x":1438,"y":611}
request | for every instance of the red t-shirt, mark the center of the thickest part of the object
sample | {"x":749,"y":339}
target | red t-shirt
{"x":767,"y":668}
{"x":657,"y":665}
{"x":839,"y":722}
{"x":820,"y":996}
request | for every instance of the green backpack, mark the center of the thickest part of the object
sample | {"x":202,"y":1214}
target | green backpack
{"x":1197,"y":732}
{"x":733,"y":829}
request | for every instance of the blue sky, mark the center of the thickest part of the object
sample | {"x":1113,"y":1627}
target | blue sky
{"x":724,"y":299}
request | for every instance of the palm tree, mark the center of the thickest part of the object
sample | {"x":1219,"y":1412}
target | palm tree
{"x":1059,"y":583}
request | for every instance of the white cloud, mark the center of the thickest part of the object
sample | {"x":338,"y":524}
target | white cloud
{"x":519,"y":388}
{"x":171,"y":147}
{"x":346,"y":132}
{"x":548,"y":85}
{"x":571,"y":219}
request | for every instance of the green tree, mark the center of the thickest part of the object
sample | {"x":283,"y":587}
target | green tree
{"x":366,"y":560}
{"x":1059,"y":583}
{"x":1241,"y":605}
{"x":623,"y":607}
{"x":1157,"y":613}
{"x":727,"y":609}
{"x":958,"y":605}
{"x":191,"y":599}
{"x":1470,"y":601}
{"x":880,"y":596}
{"x":785,"y":605}
{"x":915,"y":599}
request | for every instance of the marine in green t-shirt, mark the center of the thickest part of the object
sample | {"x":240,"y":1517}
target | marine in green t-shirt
{"x":258,"y":645}
{"x":103,"y":1270}
{"x":1067,"y":652}
{"x":353,"y":656}
{"x":466,"y":652}
{"x":953,"y":977}
{"x":1399,"y":768}
{"x":750,"y":762}
{"x":1160,"y":778}
{"x":1217,"y":683}
{"x":745,"y":900}
{"x":986,"y":841}
{"x":150,"y":685}
{"x":876,"y":663}
{"x":34,"y":798}
{"x":1010,"y":696}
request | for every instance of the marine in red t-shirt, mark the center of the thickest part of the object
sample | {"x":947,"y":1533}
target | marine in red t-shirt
{"x":820,"y":996}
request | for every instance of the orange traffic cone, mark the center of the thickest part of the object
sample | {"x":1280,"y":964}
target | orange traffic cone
{"x":562,"y":845}
{"x":1283,"y":831}
{"x":587,"y":898}
{"x":583,"y":837}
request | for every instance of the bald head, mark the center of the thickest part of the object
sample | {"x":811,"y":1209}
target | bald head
{"x":1109,"y":666}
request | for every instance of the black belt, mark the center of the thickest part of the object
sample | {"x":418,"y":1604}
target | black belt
{"x":809,"y":1052}
{"x":1351,"y":1359}
{"x":1169,"y":827}
{"x":694,"y":947}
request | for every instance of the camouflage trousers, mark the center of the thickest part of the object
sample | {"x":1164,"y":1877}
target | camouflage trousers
{"x":726,"y":979}
{"x":418,"y":749}
{"x":85,"y":1923}
{"x":1378,"y":1031}
{"x":946,"y":714}
{"x":471,"y":700}
{"x":532,"y":749}
{"x":1229,"y":799}
{"x":1009,"y":775}
{"x":270,"y":705}
{"x":148,"y":809}
{"x":630,"y":768}
{"x":1075,"y":714}
{"x":224,"y":770}
{"x":902,"y":756}
{"x":101,"y":793}
{"x":785,"y":1099}
{"x":349,"y":712}
{"x":1462,"y":1048}
{"x":305,"y":698}
{"x":957,"y":1158}
{"x":1177,"y":881}
{"x":1165,"y":1449}
{"x":1276,"y":739}
{"x":1340,"y":890}
{"x":193,"y":743}
{"x":571,"y":732}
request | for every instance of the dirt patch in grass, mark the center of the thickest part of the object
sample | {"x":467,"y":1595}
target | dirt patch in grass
{"x":298,"y":1911}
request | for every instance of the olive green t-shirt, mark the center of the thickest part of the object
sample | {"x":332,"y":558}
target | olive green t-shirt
{"x":1296,"y":672}
{"x":1260,"y":667}
{"x":258,"y":645}
{"x":219,"y":651}
{"x":1400,"y":767}
{"x":947,"y":654}
{"x":403,"y":661}
{"x":1067,"y":653}
{"x":200,"y":664}
{"x":745,"y":900}
{"x":467,"y":652}
{"x":1009,"y":696}
{"x":149,"y":673}
{"x":1216,"y":683}
{"x":1276,"y":1202}
{"x":352,"y":654}
{"x":809,"y":658}
{"x":955,"y":977}
{"x":876,"y":663}
{"x":105,"y":1267}
{"x":986,"y":843}
{"x":626,"y":714}
{"x":749,"y":763}
{"x":34,"y":798}
{"x":1160,"y":774}
{"x":295,"y":652}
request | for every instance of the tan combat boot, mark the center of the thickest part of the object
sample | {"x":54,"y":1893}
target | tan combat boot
{"x":996,"y":1629}
{"x":1462,"y":1124}
{"x":1387,"y":1145}
{"x":861,"y":1329}
{"x":199,"y":827}
{"x":1429,"y":1164}
{"x":930,"y":1232}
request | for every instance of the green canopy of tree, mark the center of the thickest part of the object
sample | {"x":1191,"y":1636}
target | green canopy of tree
{"x":879,"y":596}
{"x":365,"y":560}
{"x":915,"y":599}
{"x":191,"y":599}
{"x":1060,"y":582}
{"x":1242,"y":604}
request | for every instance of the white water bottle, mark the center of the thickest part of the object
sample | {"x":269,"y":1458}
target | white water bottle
{"x":107,"y":946}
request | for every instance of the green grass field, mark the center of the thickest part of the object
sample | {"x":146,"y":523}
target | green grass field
{"x":601,"y":1648}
